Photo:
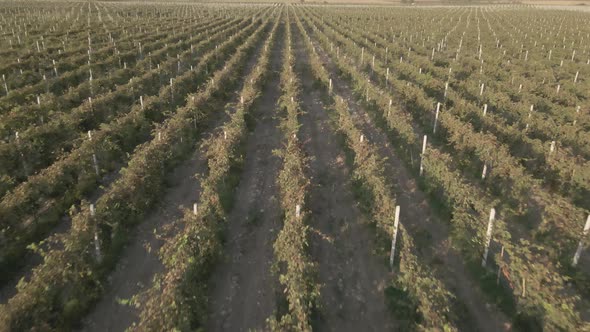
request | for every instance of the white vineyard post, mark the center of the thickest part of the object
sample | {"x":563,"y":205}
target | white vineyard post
{"x":195,"y":209}
{"x":362,"y":55}
{"x":577,"y":113}
{"x":484,"y":171}
{"x":141,"y":101}
{"x":499,"y":268}
{"x":422,"y":155}
{"x":552,"y":147}
{"x":5,"y":85}
{"x":529,"y":117}
{"x":581,"y":244}
{"x":362,"y":138}
{"x":558,"y":88}
{"x":96,"y":240}
{"x":298,"y":211}
{"x":523,"y":287}
{"x":394,"y":238}
{"x":95,"y":163}
{"x":25,"y":167}
{"x":485,"y":109}
{"x":576,"y":77}
{"x":488,"y":237}
{"x":436,"y":118}
{"x":330,"y":87}
{"x":389,"y":108}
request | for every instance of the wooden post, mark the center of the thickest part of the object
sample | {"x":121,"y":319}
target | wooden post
{"x":581,"y":244}
{"x":422,"y":155}
{"x":488,"y":237}
{"x":436,"y":118}
{"x":394,"y":238}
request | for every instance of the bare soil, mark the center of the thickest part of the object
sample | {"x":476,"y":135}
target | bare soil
{"x":139,"y":261}
{"x":430,"y":232}
{"x":243,"y":291}
{"x":353,"y":278}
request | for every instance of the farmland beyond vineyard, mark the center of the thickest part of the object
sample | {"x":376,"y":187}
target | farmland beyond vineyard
{"x":291,"y":167}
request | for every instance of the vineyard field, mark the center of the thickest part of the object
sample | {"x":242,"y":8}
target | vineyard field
{"x":295,"y":166}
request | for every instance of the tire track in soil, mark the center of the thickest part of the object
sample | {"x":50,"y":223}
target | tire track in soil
{"x":352,"y":295}
{"x":243,"y":288}
{"x":140,"y":261}
{"x":431,"y":234}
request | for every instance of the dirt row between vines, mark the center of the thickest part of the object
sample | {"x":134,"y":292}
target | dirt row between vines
{"x":353,"y":279}
{"x":139,"y":261}
{"x":430,"y":231}
{"x":243,"y":293}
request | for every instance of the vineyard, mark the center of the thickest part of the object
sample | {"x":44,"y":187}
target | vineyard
{"x":192,"y":166}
